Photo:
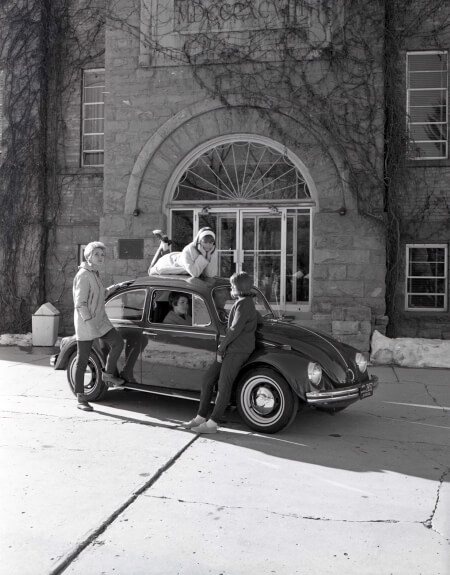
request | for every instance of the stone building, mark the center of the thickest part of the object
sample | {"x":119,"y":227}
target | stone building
{"x":266,"y":121}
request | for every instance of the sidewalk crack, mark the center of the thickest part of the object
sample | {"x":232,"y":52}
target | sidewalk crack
{"x":431,"y":396}
{"x":395,"y":373}
{"x":429,"y":522}
{"x":221,"y":507}
{"x":74,"y":554}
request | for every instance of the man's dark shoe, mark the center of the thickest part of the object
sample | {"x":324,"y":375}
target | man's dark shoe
{"x":83,"y":404}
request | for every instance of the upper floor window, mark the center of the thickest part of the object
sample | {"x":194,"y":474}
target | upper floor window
{"x":93,"y":120}
{"x":427,"y":104}
{"x":426,"y":277}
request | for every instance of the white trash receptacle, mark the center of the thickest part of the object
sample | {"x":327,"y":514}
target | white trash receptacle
{"x":45,"y":324}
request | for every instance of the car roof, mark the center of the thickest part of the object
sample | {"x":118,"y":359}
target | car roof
{"x":181,"y":282}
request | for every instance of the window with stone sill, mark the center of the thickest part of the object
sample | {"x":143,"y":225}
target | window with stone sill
{"x":427,"y":104}
{"x":426,"y":277}
{"x":93,"y":118}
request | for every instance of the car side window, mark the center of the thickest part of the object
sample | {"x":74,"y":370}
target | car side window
{"x":128,"y":305}
{"x":171,"y":307}
{"x":200,"y":313}
{"x":167,"y":304}
{"x":223,"y":302}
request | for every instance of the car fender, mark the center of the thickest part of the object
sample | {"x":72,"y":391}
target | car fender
{"x":70,"y":347}
{"x":293,"y":367}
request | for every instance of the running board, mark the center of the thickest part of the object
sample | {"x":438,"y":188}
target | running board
{"x":178,"y":393}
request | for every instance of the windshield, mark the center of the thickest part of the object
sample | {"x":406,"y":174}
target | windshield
{"x":224,"y":302}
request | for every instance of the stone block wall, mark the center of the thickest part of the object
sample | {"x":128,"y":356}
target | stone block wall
{"x":155,"y":116}
{"x":164,"y":110}
{"x":79,"y":189}
{"x":144,"y":104}
{"x":348,"y":285}
{"x":426,"y":214}
{"x":78,"y":224}
{"x":352,"y":325}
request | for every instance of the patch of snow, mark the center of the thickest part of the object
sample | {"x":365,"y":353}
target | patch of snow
{"x":16,"y":339}
{"x":409,"y":352}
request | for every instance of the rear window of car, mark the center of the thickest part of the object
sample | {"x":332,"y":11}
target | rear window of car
{"x":128,"y":305}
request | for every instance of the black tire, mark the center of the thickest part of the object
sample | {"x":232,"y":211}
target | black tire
{"x":94,"y":388}
{"x":265,"y":401}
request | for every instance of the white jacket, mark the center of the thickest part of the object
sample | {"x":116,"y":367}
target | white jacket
{"x":89,"y":295}
{"x":189,"y":261}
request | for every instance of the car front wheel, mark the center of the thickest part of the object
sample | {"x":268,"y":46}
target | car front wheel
{"x":94,"y":388}
{"x":265,"y":401}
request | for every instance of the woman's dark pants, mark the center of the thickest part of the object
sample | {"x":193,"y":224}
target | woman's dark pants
{"x":115,"y":343}
{"x":225,"y":374}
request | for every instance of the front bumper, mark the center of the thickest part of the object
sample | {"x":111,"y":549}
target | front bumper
{"x":344,"y":394}
{"x":53,"y":360}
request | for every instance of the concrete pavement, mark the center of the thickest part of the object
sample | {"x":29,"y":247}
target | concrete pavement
{"x":123,"y":491}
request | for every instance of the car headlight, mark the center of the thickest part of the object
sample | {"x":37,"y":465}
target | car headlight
{"x":314,"y":373}
{"x":361,"y":362}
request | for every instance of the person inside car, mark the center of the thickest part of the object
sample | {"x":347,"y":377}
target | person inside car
{"x":199,"y":258}
{"x":179,"y":314}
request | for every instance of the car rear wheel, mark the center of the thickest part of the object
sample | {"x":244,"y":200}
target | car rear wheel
{"x":94,"y":388}
{"x":265,"y":401}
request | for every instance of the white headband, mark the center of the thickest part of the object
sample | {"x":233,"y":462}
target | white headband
{"x":205,"y":233}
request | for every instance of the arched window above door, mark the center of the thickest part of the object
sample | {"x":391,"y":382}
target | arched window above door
{"x":241,"y":172}
{"x":258,"y":197}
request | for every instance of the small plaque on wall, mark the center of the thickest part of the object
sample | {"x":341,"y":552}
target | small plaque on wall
{"x":131,"y":249}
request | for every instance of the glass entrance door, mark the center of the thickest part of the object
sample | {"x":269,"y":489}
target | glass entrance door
{"x":261,"y":252}
{"x":250,"y":242}
{"x":272,"y":245}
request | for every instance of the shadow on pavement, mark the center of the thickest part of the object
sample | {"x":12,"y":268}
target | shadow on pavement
{"x":401,"y":429}
{"x":366,"y":437}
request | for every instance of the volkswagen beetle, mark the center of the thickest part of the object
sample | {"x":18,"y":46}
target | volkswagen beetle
{"x":291,"y":367}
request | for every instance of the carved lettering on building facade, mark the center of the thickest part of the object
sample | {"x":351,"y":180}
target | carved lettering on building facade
{"x":182,"y":31}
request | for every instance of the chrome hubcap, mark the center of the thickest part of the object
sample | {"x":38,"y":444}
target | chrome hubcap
{"x":264,"y":400}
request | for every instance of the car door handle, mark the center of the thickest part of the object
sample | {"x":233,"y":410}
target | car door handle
{"x":150,"y":333}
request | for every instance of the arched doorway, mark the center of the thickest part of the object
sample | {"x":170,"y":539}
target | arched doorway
{"x":256,"y":196}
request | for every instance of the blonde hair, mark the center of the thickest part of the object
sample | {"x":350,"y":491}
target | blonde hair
{"x":91,"y":247}
{"x":242,"y":282}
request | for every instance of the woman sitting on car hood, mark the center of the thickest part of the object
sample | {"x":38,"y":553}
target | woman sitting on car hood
{"x":197,"y":258}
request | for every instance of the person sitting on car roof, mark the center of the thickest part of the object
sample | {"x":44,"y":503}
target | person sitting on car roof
{"x":198,"y":258}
